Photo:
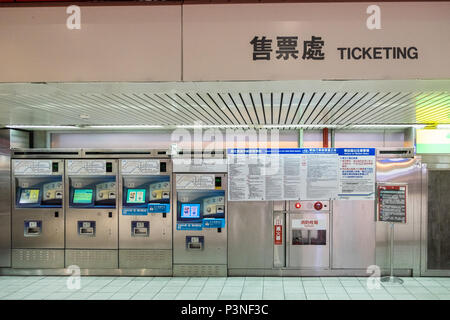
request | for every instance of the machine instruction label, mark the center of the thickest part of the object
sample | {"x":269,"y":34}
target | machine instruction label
{"x":140,"y":166}
{"x":134,"y":211}
{"x":392,"y":203}
{"x":195,"y":181}
{"x":301,"y":173}
{"x":197,"y":226}
{"x":86,"y":167}
{"x":32,"y":167}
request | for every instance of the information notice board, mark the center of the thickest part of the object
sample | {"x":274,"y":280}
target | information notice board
{"x":301,"y":173}
{"x":392,"y":203}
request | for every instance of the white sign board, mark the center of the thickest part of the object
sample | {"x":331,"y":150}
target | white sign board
{"x":301,"y":174}
{"x":356,"y":177}
{"x":315,"y":41}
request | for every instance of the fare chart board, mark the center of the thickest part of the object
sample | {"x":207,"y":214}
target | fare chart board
{"x":301,"y":174}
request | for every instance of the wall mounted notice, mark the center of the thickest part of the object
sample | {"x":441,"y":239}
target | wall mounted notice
{"x":356,"y":174}
{"x":301,"y":174}
{"x":392,"y":203}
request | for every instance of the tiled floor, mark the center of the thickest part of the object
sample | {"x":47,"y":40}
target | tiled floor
{"x":251,"y":288}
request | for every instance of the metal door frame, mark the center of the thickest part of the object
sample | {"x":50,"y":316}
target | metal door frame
{"x":427,"y":166}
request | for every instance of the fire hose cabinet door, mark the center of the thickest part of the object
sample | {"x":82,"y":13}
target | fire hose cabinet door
{"x":308,"y":241}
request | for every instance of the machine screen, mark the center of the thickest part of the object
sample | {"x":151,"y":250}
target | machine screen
{"x":29,"y":196}
{"x":82,"y":196}
{"x":190,"y":211}
{"x":136,"y":196}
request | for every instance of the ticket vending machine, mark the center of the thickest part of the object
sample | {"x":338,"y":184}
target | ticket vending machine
{"x":145,"y":223}
{"x":200,"y":232}
{"x":37,"y":213}
{"x":92,"y":220}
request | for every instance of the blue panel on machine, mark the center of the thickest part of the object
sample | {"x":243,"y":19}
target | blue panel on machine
{"x":158,"y":208}
{"x":189,"y":226}
{"x":134,"y":211}
{"x":213,"y":223}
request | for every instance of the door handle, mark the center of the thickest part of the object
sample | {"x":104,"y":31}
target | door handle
{"x":56,"y":214}
{"x":110,"y":214}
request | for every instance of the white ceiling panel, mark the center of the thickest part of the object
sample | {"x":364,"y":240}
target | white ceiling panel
{"x":255,"y":104}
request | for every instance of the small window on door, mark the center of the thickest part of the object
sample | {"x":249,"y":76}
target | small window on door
{"x":309,"y":237}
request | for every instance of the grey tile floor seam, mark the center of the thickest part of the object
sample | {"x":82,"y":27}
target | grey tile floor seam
{"x":232,"y":288}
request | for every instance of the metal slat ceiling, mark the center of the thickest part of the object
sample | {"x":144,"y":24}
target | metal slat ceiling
{"x":258,"y":103}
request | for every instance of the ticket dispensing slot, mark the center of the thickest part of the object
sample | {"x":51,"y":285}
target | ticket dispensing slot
{"x":86,"y":228}
{"x":32,"y":228}
{"x":140,"y":229}
{"x":195,"y":242}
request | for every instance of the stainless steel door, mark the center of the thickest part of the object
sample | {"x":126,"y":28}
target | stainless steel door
{"x":249,"y":234}
{"x":435,"y":252}
{"x":353,"y":234}
{"x":308,"y":240}
{"x":438,"y":220}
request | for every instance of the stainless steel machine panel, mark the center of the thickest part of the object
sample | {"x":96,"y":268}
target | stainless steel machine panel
{"x":145,"y":213}
{"x":138,"y":228}
{"x":5,"y":199}
{"x":91,"y":259}
{"x":308,"y":235}
{"x":353,"y":234}
{"x":38,"y":202}
{"x":249,"y":234}
{"x":91,"y":212}
{"x":38,"y":258}
{"x":196,"y":242}
{"x":200,"y":270}
{"x":145,"y":259}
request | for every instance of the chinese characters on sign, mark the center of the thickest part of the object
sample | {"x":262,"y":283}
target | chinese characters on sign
{"x":287,"y":48}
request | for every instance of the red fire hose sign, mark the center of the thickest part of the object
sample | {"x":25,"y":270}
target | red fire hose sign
{"x":278,"y":239}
